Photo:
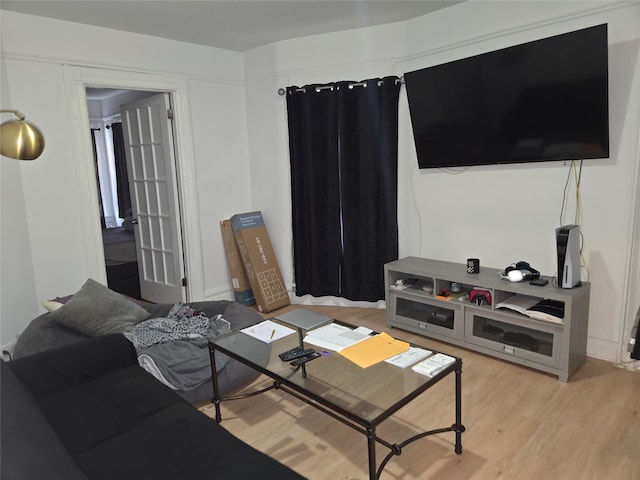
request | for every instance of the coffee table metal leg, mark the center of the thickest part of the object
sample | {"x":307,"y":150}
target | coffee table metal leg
{"x":216,"y":400}
{"x":458,"y":427}
{"x":371,"y":441}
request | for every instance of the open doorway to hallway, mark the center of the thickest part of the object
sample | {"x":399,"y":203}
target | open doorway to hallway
{"x":114,"y":199}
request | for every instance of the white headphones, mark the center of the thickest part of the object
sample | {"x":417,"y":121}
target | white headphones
{"x":517,"y":272}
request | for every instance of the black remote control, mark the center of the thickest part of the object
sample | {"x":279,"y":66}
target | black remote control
{"x":295,"y":353}
{"x":305,"y":359}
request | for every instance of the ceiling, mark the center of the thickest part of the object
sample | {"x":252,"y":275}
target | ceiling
{"x":237,"y":25}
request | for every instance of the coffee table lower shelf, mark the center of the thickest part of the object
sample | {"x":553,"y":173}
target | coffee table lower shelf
{"x":367,"y":428}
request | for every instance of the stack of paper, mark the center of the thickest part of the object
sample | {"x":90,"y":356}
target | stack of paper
{"x":433,"y":365}
{"x":268,"y":331}
{"x":409,"y":357}
{"x":374,"y":349}
{"x":336,"y":337}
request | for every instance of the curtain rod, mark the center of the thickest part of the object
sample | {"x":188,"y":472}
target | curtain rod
{"x":283,"y":91}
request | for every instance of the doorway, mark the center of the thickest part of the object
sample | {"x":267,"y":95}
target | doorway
{"x":138,"y":239}
{"x":76,"y":81}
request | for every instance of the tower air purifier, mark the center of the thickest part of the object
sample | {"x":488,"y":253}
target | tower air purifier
{"x":568,"y":243}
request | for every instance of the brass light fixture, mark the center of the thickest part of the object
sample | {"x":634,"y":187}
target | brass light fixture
{"x":20,"y":139}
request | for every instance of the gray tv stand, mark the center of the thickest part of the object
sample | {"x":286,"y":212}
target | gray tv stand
{"x":556,"y":347}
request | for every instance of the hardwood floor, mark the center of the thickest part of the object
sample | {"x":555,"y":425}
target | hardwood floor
{"x":520,"y":424}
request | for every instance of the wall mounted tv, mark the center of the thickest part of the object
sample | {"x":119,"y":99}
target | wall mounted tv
{"x":539,"y":101}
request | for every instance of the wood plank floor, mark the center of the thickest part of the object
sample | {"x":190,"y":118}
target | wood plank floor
{"x":520,"y":424}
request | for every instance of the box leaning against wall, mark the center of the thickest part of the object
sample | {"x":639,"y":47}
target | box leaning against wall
{"x":242,"y":291}
{"x":260,"y":261}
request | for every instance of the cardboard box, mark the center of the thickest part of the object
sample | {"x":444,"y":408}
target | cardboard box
{"x":259,"y":261}
{"x":239,"y":280}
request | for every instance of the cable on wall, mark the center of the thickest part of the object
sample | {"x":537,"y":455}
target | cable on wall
{"x":575,"y":171}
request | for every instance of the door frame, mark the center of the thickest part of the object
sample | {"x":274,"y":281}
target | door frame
{"x":77,"y":80}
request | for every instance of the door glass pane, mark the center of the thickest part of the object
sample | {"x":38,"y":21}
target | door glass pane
{"x":158,"y":154}
{"x":156,"y":233}
{"x":163,"y":198}
{"x":143,"y":230}
{"x":148,"y":269}
{"x":168,"y":268}
{"x":152,"y":198}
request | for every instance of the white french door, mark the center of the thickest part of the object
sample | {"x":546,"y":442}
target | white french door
{"x":149,"y":148}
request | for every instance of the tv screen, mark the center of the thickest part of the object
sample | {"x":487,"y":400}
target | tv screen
{"x":540,"y":101}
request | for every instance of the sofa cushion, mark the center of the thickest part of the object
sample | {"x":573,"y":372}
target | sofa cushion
{"x":95,"y":310}
{"x":193,"y":446}
{"x":63,"y":367}
{"x":29,"y":448}
{"x":88,"y":413}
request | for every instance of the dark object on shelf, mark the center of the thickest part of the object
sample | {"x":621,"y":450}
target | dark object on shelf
{"x":547,"y":306}
{"x":515,"y":339}
{"x":473,"y":265}
{"x":442,"y":318}
{"x":489,"y":328}
{"x":521,"y":340}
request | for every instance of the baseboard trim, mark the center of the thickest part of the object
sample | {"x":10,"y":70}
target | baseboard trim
{"x":602,"y":349}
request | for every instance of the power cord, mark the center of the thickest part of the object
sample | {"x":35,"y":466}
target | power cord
{"x":577,"y":177}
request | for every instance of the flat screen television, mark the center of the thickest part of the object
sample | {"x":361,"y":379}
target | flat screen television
{"x":540,"y":101}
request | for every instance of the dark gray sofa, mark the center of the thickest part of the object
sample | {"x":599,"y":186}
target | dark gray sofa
{"x":89,"y":411}
{"x":49,"y":331}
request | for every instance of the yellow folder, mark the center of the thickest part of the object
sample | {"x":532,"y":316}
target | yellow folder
{"x":373,"y":350}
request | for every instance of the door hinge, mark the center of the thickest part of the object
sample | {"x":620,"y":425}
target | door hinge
{"x":184,"y":282}
{"x":170,"y":114}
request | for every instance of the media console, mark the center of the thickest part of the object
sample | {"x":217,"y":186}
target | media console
{"x":557,"y":347}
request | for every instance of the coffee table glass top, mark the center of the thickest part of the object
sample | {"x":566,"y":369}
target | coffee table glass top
{"x":367,"y":394}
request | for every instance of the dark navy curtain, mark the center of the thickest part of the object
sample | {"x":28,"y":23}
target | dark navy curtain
{"x":122,"y":179}
{"x":343,"y":142}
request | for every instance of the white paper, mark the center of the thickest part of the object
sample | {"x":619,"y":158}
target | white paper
{"x":433,"y":365}
{"x":335,"y":337}
{"x":363,"y":330}
{"x":268,"y":331}
{"x":411,"y":356}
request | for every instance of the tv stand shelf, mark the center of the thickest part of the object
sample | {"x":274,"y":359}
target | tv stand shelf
{"x":557,"y":347}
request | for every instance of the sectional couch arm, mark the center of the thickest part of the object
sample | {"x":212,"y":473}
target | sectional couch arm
{"x":57,"y":369}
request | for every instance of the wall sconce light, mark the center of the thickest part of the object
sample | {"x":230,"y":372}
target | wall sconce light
{"x":20,"y":139}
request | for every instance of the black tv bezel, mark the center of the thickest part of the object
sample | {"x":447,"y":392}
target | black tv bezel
{"x":424,"y":162}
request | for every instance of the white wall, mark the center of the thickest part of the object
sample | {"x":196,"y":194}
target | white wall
{"x":44,"y":232}
{"x":240,"y":150}
{"x":500,"y":214}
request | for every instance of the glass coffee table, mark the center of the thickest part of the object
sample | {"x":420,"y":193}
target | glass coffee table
{"x":361,"y":398}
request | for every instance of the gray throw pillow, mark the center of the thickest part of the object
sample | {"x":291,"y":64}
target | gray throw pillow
{"x":96,"y":310}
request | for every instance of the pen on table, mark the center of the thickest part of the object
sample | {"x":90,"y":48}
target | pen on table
{"x":273,"y":332}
